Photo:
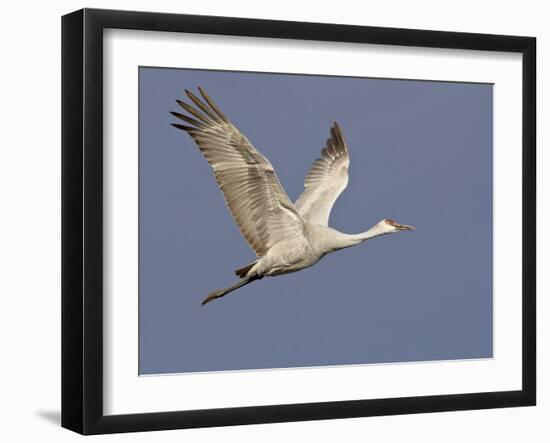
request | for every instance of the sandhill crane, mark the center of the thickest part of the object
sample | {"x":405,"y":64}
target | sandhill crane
{"x":285,"y":236}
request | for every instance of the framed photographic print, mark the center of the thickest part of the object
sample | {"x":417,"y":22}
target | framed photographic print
{"x":229,"y":190}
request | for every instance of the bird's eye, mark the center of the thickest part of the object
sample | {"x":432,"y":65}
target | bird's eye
{"x":389,"y":221}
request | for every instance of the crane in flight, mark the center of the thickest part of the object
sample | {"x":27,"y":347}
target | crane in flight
{"x":285,"y":236}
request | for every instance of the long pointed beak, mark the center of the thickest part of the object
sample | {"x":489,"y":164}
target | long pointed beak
{"x":406,"y":228}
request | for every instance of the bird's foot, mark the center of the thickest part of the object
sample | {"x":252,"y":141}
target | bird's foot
{"x":213,"y":296}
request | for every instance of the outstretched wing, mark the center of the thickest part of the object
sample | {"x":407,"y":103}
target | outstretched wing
{"x":257,"y":201}
{"x":326,"y":180}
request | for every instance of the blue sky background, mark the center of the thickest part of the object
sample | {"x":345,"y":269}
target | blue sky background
{"x":421,"y":153}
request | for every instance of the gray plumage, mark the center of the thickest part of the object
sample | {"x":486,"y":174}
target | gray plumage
{"x":286,"y":237}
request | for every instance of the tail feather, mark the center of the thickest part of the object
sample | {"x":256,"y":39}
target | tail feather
{"x":241,"y":272}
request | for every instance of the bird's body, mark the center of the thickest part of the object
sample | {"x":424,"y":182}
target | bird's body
{"x":287,"y":237}
{"x":291,"y":255}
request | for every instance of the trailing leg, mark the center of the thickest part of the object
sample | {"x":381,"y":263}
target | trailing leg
{"x":221,"y":292}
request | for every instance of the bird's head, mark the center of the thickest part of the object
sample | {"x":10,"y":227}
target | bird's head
{"x":388,"y":226}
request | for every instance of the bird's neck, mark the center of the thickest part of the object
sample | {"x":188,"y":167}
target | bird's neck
{"x":375,"y":231}
{"x":342,"y":240}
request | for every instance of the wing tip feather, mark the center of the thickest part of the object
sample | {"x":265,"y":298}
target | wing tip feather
{"x":182,"y":127}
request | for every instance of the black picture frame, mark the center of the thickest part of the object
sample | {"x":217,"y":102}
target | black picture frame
{"x":82,"y":221}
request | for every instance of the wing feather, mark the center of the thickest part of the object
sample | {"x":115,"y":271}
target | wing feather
{"x":326,"y":179}
{"x":255,"y":198}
